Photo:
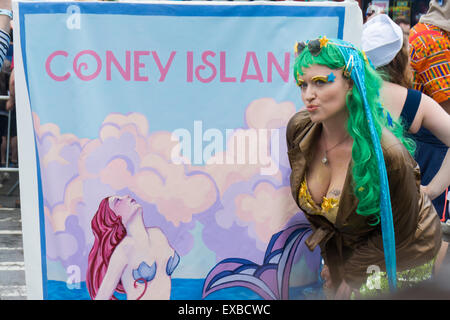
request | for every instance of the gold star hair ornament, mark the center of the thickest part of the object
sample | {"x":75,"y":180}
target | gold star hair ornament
{"x":323,"y":42}
{"x":348,"y":68}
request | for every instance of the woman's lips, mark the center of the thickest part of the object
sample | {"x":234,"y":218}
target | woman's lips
{"x":311,"y":108}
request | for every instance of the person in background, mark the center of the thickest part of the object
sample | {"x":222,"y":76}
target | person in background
{"x":372,"y":11}
{"x":404,"y":24}
{"x":385,"y":45}
{"x":429,"y":48}
{"x":430,"y":53}
{"x":5,"y":26}
{"x":5,"y":73}
{"x":11,"y":106}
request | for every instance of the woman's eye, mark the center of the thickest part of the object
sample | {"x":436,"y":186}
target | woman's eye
{"x":320,"y":82}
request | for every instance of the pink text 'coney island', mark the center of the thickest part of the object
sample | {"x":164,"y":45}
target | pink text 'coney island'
{"x":153,"y":66}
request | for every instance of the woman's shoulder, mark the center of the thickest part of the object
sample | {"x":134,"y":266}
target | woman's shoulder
{"x":156,"y":235}
{"x":296,"y":126}
{"x":395,"y":153}
{"x":393,"y":97}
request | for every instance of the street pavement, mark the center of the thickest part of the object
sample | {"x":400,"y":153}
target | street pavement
{"x":12,"y":268}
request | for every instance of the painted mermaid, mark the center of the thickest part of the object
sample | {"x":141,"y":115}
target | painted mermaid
{"x":126,"y":256}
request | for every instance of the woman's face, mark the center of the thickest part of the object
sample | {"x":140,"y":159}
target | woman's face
{"x":323,"y":92}
{"x":124,"y":206}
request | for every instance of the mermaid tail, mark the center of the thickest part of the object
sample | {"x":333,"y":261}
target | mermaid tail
{"x":269,"y":280}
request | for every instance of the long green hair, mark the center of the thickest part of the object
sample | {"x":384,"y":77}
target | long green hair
{"x":366,"y":179}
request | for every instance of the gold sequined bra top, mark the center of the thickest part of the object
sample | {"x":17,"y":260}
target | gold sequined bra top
{"x":328,"y":208}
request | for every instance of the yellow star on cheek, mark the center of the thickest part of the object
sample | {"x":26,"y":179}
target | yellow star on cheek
{"x":323,"y":41}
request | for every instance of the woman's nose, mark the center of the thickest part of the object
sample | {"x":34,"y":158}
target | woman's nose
{"x":309,"y":94}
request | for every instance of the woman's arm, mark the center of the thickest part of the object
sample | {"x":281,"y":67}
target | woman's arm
{"x":431,"y":116}
{"x":440,"y":181}
{"x":5,"y":26}
{"x":11,"y":103}
{"x":112,"y":277}
{"x":5,"y":21}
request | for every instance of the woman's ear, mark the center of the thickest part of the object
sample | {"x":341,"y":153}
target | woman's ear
{"x":350,"y":85}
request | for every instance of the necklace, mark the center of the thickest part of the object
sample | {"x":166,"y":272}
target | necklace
{"x":325,"y":159}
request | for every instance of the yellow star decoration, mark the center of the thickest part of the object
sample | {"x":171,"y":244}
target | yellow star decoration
{"x":305,"y":197}
{"x":361,"y":189}
{"x":329,"y":203}
{"x":323,"y":41}
{"x":303,"y":189}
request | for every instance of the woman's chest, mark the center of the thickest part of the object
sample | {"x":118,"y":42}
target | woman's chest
{"x":325,"y":180}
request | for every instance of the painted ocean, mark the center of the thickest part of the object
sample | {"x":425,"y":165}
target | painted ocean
{"x":184,"y":289}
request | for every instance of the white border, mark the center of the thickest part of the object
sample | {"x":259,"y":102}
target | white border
{"x":29,"y":200}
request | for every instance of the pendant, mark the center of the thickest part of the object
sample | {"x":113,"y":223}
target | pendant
{"x":324,"y":160}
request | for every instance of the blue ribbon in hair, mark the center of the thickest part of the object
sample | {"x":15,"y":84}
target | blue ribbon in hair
{"x":387,"y":224}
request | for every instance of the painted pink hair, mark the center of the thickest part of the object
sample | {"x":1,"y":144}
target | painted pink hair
{"x":109,"y":232}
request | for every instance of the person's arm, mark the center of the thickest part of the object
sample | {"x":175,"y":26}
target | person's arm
{"x":433,"y":117}
{"x":5,"y":26}
{"x":5,"y":21}
{"x":440,"y":181}
{"x":112,"y":276}
{"x":11,"y":103}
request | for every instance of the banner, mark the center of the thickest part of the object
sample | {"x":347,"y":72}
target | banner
{"x":152,"y":148}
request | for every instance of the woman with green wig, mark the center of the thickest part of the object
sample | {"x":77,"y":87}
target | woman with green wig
{"x":354,"y":177}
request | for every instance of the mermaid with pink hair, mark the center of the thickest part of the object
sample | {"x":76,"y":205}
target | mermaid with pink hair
{"x":126,"y":256}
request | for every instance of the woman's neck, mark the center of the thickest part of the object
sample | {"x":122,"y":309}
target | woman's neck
{"x":135,"y":227}
{"x":335,"y":130}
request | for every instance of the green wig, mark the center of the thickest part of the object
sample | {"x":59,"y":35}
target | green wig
{"x":366,"y":181}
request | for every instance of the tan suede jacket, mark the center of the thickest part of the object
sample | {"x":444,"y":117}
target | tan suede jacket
{"x":351,"y":245}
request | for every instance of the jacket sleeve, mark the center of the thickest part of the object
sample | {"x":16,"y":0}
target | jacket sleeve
{"x":404,"y":186}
